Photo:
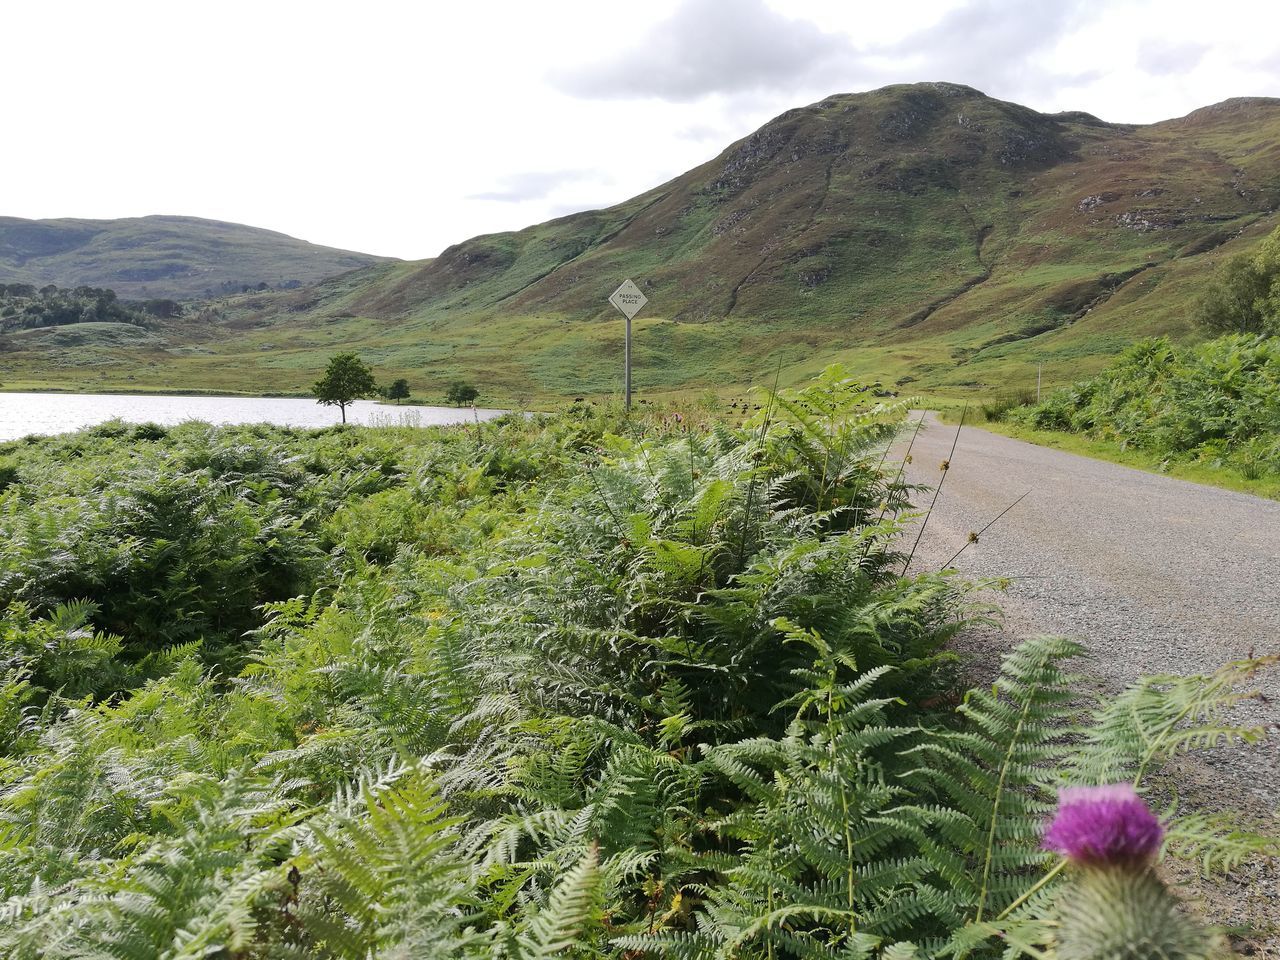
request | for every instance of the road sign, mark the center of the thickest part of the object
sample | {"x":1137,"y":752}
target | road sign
{"x":628,"y":299}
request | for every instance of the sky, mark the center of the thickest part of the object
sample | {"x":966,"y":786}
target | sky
{"x":398,"y":128}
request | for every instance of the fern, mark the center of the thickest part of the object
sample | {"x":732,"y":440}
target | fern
{"x":584,"y":685}
{"x":572,"y":908}
{"x":995,"y":774}
{"x":179,"y":897}
{"x":1158,"y":717}
{"x":383,"y":875}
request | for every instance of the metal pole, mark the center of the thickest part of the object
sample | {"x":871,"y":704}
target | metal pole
{"x":627,"y":377}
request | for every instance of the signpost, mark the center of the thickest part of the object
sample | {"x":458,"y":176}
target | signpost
{"x":628,"y":299}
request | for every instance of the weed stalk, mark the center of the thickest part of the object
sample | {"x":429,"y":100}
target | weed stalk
{"x":946,"y":468}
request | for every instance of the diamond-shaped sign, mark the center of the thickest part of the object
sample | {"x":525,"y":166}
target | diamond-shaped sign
{"x":628,"y":299}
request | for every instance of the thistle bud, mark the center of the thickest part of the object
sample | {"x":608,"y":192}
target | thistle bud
{"x":1115,"y":907}
{"x":1104,"y":825}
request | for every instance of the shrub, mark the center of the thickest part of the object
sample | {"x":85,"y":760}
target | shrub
{"x":1217,"y":402}
{"x":998,"y":407}
{"x":460,"y":393}
{"x":1244,"y":294}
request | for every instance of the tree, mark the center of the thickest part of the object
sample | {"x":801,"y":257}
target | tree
{"x":461,"y":392}
{"x":1230,"y":303}
{"x":1244,"y":294}
{"x":165,"y":309}
{"x":346,"y":379}
{"x":1267,"y":262}
{"x":399,"y":390}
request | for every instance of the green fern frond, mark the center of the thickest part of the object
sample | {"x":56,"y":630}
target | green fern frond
{"x":570,"y":910}
{"x":1000,"y":770}
{"x":1217,"y":841}
{"x":1157,"y":717}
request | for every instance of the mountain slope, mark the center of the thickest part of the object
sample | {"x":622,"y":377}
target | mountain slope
{"x":925,"y":234}
{"x":173,"y":257}
{"x":929,"y":184}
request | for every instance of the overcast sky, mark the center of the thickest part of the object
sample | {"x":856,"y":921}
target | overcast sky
{"x":399,"y":128}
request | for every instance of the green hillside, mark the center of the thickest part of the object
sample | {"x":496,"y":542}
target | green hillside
{"x":150,"y":257}
{"x":925,"y":235}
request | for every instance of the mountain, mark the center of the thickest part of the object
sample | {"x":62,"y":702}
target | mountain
{"x":925,"y":235}
{"x":173,"y":257}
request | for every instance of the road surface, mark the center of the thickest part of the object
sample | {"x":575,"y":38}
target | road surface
{"x":1152,"y":574}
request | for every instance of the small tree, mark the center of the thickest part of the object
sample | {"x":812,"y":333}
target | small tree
{"x":1231,"y":302}
{"x":461,"y":392}
{"x":164,"y":309}
{"x":399,"y":390}
{"x":346,"y":379}
{"x":1243,"y":295}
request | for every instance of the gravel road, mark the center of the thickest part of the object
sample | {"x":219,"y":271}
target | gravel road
{"x":1152,"y":574}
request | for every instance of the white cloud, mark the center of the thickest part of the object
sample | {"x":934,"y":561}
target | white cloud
{"x":993,"y":45}
{"x":401,"y":127}
{"x":702,"y":132}
{"x":534,"y":185}
{"x":1160,"y":57}
{"x":713,"y":47}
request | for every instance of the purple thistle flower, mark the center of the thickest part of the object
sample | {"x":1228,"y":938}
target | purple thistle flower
{"x":1104,"y":825}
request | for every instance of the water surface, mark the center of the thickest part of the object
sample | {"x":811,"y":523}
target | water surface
{"x":26,"y":413}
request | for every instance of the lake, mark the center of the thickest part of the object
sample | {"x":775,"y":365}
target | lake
{"x":24,"y":413}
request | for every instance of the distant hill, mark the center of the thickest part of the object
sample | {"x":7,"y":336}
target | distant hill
{"x":876,"y":211}
{"x":926,"y":235}
{"x":176,"y":257}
